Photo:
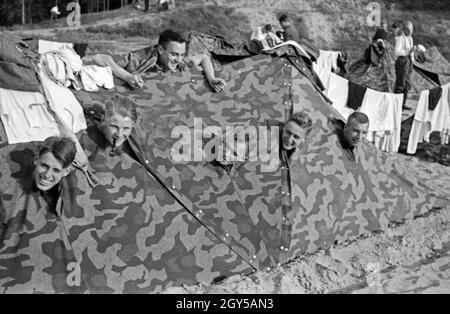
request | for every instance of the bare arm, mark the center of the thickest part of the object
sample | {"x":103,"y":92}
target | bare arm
{"x":204,"y":61}
{"x":106,"y":60}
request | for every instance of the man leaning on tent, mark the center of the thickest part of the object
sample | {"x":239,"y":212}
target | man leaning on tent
{"x":166,"y":56}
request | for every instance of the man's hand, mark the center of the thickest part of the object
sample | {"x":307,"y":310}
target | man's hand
{"x":135,"y":81}
{"x":217,"y":84}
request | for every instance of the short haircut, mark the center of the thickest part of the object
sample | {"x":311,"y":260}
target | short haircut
{"x":283,"y":18}
{"x":302,"y":119}
{"x":168,"y":36}
{"x":359,"y":117}
{"x":397,"y":24}
{"x":406,"y":23}
{"x":62,"y":148}
{"x":122,"y":106}
{"x":267,"y":27}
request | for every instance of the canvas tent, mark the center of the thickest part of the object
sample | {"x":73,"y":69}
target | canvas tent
{"x":161,"y":223}
{"x":381,"y":76}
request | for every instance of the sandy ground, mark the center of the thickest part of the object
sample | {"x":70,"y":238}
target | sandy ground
{"x":412,"y":257}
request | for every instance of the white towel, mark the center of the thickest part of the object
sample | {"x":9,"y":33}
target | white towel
{"x":427,"y":121}
{"x":337,"y":92}
{"x":385,"y":115}
{"x":26,"y":117}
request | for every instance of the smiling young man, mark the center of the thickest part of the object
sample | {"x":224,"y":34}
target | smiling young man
{"x":166,"y":56}
{"x":53,"y":162}
{"x":354,"y":133}
{"x":292,"y":135}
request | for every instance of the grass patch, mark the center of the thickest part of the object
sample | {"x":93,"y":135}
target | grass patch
{"x":209,"y":19}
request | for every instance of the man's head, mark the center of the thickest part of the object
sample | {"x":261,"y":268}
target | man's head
{"x":53,"y":162}
{"x":397,"y":28}
{"x":356,"y":129}
{"x":267,"y":28}
{"x":296,"y":130}
{"x":171,"y":49}
{"x":409,"y":28}
{"x":120,"y":117}
{"x":285,"y":21}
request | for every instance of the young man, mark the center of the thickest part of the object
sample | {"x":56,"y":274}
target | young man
{"x":33,"y":237}
{"x":53,"y":163}
{"x":293,"y":134}
{"x":167,"y":56}
{"x":404,"y":46}
{"x":54,"y":12}
{"x":290,"y":32}
{"x":354,"y":133}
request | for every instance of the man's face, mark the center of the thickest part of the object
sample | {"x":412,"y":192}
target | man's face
{"x":118,"y":128}
{"x":355,"y":133}
{"x":409,"y":29}
{"x":171,"y":55}
{"x":293,"y":135}
{"x":48,"y":171}
{"x":285,"y":24}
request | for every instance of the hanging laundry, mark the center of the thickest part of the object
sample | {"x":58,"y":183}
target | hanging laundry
{"x":325,"y":64}
{"x":356,"y":94}
{"x":337,"y":92}
{"x":434,"y":97}
{"x":427,"y":121}
{"x":385,"y":115}
{"x":26,"y":117}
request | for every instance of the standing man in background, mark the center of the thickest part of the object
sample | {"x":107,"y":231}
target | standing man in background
{"x":404,"y":46}
{"x":290,"y":32}
{"x":54,"y":12}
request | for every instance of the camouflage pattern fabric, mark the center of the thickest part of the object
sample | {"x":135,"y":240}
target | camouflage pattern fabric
{"x":435,"y":65}
{"x":216,"y":47}
{"x":382,"y":77}
{"x":166,"y":223}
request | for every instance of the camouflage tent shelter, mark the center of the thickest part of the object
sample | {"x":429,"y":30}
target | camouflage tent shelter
{"x":430,"y":72}
{"x":160,"y":223}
